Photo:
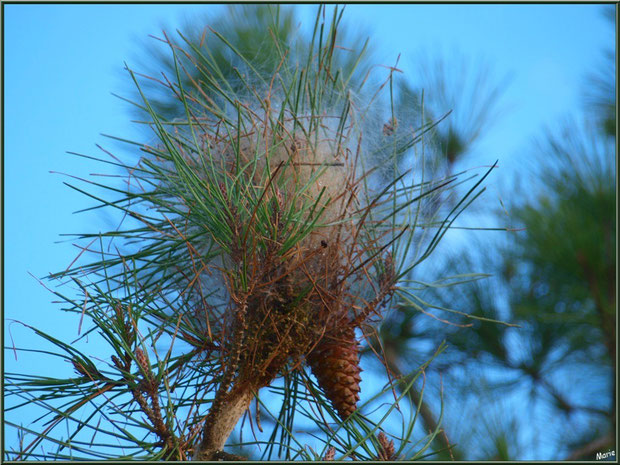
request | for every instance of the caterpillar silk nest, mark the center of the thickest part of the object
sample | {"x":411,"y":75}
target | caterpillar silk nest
{"x":334,"y":360}
{"x":302,"y":185}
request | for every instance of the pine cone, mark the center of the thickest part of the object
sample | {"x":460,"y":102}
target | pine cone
{"x":335,"y":363}
{"x":386,"y":451}
{"x":143,"y":361}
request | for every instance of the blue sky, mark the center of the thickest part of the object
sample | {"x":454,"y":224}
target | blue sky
{"x":63,"y":61}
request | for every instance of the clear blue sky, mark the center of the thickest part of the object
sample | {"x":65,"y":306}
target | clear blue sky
{"x":63,"y":61}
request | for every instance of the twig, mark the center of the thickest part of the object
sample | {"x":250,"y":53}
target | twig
{"x":597,"y":445}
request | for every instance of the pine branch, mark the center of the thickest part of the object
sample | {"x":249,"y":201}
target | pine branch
{"x":587,"y":451}
{"x":221,"y":422}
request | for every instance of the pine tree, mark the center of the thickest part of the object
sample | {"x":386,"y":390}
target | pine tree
{"x":257,"y":242}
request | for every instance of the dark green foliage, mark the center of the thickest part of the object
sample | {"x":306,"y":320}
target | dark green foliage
{"x":257,"y":37}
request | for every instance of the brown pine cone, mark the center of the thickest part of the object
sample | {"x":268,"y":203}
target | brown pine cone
{"x":335,"y":363}
{"x":330,"y":454}
{"x":386,"y":451}
{"x":143,"y":361}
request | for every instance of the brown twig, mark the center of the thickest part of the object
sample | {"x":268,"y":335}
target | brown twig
{"x":587,"y":451}
{"x":149,"y":386}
